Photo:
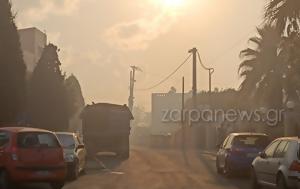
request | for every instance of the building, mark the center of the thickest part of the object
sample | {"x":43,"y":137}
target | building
{"x":166,"y":116}
{"x":32,"y":42}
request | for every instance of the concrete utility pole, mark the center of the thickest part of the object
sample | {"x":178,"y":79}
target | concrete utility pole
{"x":211,"y":71}
{"x":194,"y":52}
{"x":131,"y":88}
{"x":182,"y":115}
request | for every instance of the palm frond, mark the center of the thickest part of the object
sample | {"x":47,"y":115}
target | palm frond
{"x":282,"y":12}
{"x":249,"y":53}
{"x":248,"y":64}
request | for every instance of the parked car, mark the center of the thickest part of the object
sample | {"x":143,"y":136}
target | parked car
{"x":238,"y":151}
{"x":30,"y":155}
{"x":278,"y":165}
{"x":74,"y":153}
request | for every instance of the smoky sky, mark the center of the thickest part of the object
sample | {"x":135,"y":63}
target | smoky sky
{"x":100,"y":39}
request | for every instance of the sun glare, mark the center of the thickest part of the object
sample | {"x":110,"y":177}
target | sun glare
{"x":173,"y":3}
{"x":170,"y":4}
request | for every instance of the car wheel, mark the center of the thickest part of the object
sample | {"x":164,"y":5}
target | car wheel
{"x":83,"y":172}
{"x":57,"y":185}
{"x":219,"y":169}
{"x":5,"y":182}
{"x":254,"y":181}
{"x":227,"y":171}
{"x":281,"y":184}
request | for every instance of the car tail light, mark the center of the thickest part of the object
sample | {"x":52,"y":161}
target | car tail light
{"x":236,"y":151}
{"x":295,"y":166}
{"x":14,"y":155}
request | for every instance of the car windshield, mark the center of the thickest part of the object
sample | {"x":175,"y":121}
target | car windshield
{"x":67,"y":141}
{"x":251,"y":141}
{"x":37,"y":139}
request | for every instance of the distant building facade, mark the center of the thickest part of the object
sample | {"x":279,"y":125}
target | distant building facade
{"x":162,"y":102}
{"x":32,"y":42}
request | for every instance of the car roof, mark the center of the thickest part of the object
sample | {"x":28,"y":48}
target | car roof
{"x":65,"y":133}
{"x":23,"y":129}
{"x":248,"y":133}
{"x":289,"y":138}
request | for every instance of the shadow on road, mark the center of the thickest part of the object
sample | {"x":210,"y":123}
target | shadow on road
{"x":110,"y":162}
{"x":33,"y":186}
{"x":238,"y":180}
{"x":102,"y":163}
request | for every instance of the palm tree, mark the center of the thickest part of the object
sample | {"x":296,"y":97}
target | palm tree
{"x":290,"y":53}
{"x":261,"y":69}
{"x":285,"y":14}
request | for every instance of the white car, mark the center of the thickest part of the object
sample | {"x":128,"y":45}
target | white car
{"x":74,"y":153}
{"x":278,"y":165}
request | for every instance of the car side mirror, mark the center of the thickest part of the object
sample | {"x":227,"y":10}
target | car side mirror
{"x":262,"y":155}
{"x":80,"y":146}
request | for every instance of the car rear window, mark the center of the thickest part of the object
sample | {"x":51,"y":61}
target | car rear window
{"x":251,"y":141}
{"x":37,"y":140}
{"x":67,"y":141}
{"x":4,"y":139}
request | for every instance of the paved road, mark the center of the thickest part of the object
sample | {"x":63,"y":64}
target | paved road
{"x":156,"y":169}
{"x":159,"y":169}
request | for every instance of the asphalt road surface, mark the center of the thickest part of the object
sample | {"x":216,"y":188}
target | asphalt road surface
{"x":155,"y":169}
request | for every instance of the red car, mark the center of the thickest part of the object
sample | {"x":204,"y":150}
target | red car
{"x":30,"y":155}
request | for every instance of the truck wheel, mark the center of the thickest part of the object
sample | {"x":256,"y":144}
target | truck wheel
{"x":125,"y":155}
{"x":124,"y":147}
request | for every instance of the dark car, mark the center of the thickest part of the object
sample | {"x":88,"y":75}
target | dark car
{"x":238,"y":151}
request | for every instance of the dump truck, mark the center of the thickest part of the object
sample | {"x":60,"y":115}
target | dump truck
{"x":106,"y":128}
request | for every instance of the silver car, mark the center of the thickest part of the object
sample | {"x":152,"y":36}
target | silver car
{"x":278,"y":165}
{"x":74,"y":153}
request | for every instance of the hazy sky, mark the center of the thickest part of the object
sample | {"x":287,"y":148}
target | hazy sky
{"x":100,"y":39}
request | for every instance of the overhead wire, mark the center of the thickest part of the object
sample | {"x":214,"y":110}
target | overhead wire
{"x":168,"y":76}
{"x":211,"y":70}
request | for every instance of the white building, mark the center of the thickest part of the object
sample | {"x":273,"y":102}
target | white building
{"x":32,"y":42}
{"x":163,"y":104}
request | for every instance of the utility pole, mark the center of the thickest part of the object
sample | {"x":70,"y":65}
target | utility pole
{"x":182,"y":116}
{"x":183,"y":128}
{"x":211,"y":71}
{"x":194,"y":52}
{"x":131,"y":88}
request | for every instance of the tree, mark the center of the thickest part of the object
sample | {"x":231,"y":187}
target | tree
{"x":261,"y":69}
{"x":75,"y":102}
{"x":74,"y":94}
{"x":48,"y":98}
{"x":285,"y":14}
{"x":290,"y":52}
{"x":12,"y":68}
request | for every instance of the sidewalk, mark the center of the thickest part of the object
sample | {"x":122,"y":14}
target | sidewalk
{"x":209,"y":152}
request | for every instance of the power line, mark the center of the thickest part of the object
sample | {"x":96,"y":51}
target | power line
{"x":201,"y":63}
{"x":168,"y":77}
{"x":210,"y":71}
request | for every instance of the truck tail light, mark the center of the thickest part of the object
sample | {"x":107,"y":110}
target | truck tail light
{"x":295,"y":166}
